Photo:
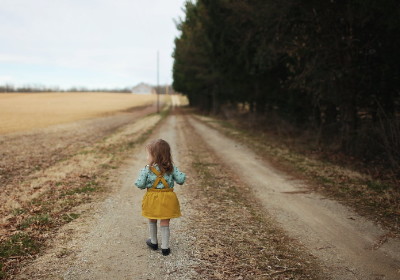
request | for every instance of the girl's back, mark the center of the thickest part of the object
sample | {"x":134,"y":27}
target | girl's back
{"x":147,"y":178}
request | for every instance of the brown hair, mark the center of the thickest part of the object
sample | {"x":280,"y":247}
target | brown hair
{"x":161,"y":155}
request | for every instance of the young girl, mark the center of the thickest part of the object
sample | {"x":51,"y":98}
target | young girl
{"x":160,"y":201}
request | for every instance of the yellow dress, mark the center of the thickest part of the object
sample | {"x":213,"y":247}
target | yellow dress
{"x":160,"y":203}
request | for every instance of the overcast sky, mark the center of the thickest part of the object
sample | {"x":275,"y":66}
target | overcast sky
{"x":92,"y":43}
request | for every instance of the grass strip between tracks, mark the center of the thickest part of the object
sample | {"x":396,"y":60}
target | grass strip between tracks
{"x":234,"y":237}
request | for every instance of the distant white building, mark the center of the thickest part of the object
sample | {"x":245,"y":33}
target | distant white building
{"x":143,"y":88}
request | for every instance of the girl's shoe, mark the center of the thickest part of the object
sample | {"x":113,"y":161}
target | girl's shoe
{"x":151,"y":245}
{"x":166,"y":252}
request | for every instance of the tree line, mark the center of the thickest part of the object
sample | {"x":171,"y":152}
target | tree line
{"x":328,"y":66}
{"x":9,"y":88}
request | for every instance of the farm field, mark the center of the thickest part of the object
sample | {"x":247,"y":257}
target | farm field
{"x":27,"y":111}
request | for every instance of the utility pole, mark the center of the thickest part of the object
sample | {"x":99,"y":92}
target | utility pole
{"x":158,"y":82}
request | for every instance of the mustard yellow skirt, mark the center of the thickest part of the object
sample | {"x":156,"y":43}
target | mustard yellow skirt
{"x":160,"y":204}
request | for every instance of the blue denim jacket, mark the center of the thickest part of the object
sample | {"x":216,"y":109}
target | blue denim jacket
{"x":146,"y":178}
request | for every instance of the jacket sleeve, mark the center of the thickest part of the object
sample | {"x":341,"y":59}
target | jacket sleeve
{"x":178,"y":176}
{"x":141,"y":180}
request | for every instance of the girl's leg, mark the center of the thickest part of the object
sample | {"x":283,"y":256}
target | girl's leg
{"x":153,"y":231}
{"x":165,"y":234}
{"x":164,"y":223}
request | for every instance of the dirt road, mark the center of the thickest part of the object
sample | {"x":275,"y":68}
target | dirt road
{"x":108,"y":243}
{"x":344,"y":241}
{"x":114,"y":246}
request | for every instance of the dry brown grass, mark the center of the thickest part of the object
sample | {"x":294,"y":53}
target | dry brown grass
{"x":26,"y":111}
